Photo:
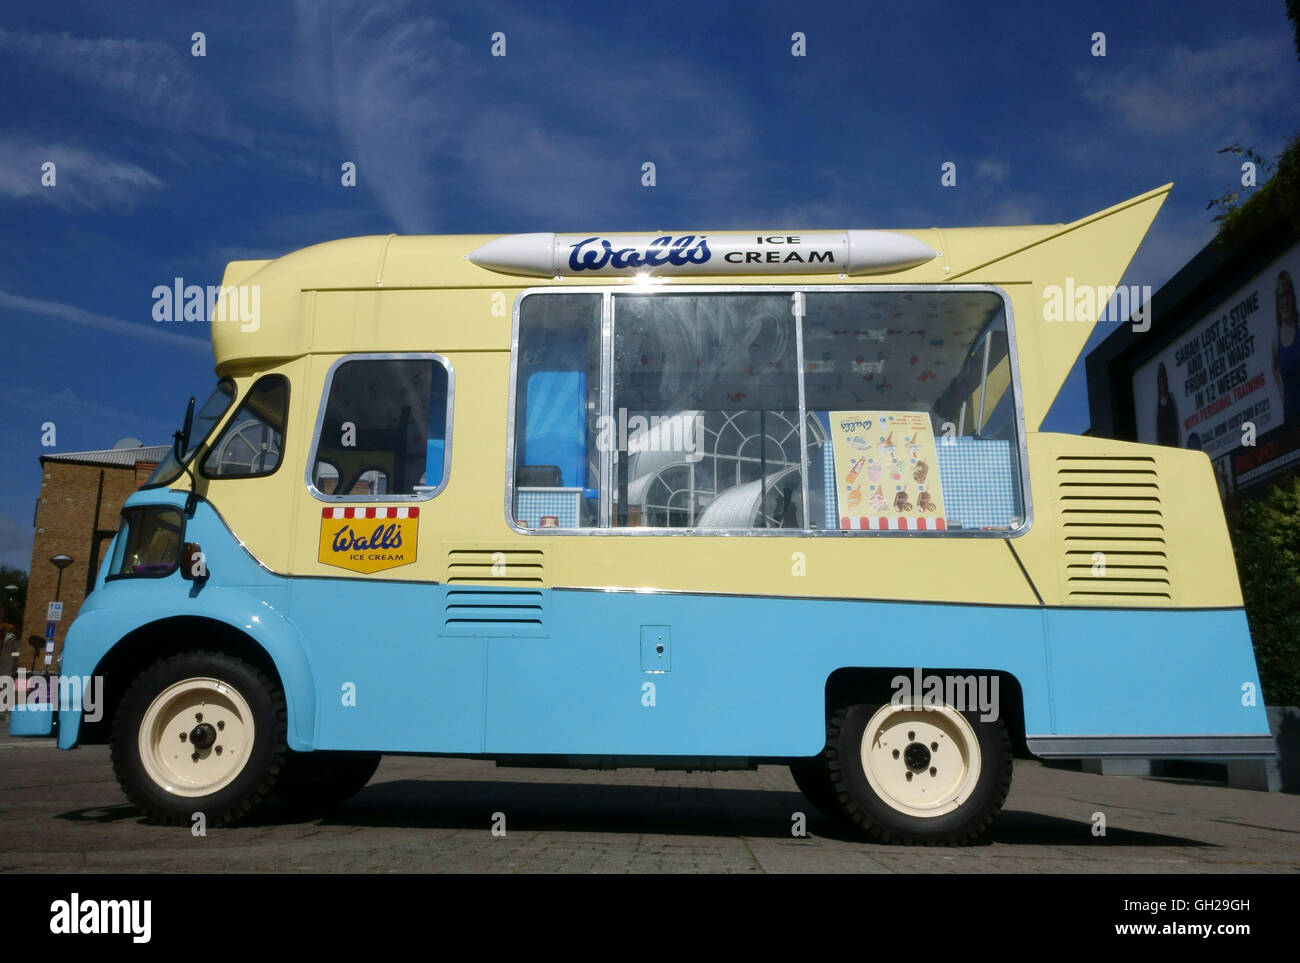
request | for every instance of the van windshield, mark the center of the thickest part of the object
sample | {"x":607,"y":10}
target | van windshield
{"x":205,"y":419}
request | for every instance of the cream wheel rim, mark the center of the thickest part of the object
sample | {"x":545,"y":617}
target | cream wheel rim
{"x":196,"y":737}
{"x":921,"y":761}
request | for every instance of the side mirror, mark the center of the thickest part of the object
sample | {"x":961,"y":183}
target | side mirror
{"x":194,"y":566}
{"x":181,"y":439}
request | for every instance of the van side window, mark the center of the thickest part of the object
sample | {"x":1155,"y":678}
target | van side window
{"x":710,"y":387}
{"x":557,"y":461}
{"x":384,"y":431}
{"x":253,"y":440}
{"x":772,"y":409}
{"x":914,"y":397}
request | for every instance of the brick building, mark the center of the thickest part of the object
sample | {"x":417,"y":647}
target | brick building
{"x":76,"y":514}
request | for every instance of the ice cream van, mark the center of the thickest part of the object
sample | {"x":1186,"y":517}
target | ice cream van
{"x":682,"y":499}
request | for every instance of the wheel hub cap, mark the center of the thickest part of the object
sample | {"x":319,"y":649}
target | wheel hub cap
{"x":916,"y":756}
{"x":921,"y":761}
{"x":196,"y":737}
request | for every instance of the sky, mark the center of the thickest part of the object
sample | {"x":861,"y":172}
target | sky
{"x":169,"y":165}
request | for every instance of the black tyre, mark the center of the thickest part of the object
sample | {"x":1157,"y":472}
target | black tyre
{"x":200,"y":732}
{"x":316,"y":782}
{"x":909,"y":774}
{"x":813,"y":780}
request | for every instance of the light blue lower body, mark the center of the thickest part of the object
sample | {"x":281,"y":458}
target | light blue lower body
{"x":376,"y":666}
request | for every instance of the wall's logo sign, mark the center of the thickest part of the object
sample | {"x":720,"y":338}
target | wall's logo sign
{"x":368,"y":539}
{"x":645,"y":255}
{"x":594,"y":253}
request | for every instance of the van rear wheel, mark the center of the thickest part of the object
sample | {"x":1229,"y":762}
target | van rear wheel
{"x":912,"y":774}
{"x":199,"y":732}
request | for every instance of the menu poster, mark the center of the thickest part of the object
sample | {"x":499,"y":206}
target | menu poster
{"x":886,"y":471}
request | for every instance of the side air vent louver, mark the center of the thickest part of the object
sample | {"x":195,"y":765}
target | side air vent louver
{"x":495,"y":566}
{"x":493,"y":612}
{"x":1112,"y":530}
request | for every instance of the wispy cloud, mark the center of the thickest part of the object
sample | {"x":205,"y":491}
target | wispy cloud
{"x":82,"y":178}
{"x":147,"y":330}
{"x":408,"y":102}
{"x":1222,"y":93}
{"x":151,"y":83}
{"x":992,"y":169}
{"x":65,"y":404}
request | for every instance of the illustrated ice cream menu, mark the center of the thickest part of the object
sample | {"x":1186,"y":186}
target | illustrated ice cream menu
{"x":886,"y":471}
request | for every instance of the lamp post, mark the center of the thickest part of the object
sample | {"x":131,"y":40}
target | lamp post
{"x":9,"y":598}
{"x":60,"y":562}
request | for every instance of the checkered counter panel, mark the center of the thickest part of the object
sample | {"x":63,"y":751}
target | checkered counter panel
{"x":532,"y":503}
{"x":828,"y":476}
{"x":979,"y":482}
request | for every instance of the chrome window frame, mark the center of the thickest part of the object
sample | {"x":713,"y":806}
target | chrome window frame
{"x":320,"y":421}
{"x":608,"y":294}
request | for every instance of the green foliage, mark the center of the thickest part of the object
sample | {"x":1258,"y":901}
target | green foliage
{"x":1275,"y":200}
{"x":1293,"y":14}
{"x":12,"y":604}
{"x":1266,"y":539}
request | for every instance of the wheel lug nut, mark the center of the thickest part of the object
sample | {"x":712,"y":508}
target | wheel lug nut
{"x":895,"y":751}
{"x":909,"y":777}
{"x":218,"y":750}
{"x":222,"y":725}
{"x":195,"y":757}
{"x":184,"y":737}
{"x":934,"y":746}
{"x":198,"y":716}
{"x":911,"y":737}
{"x":934,"y":771}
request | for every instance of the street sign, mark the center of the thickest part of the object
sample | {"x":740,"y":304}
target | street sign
{"x":55,"y":612}
{"x":49,"y":630}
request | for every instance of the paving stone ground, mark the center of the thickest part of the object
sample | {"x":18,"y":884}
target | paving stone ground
{"x":63,"y":812}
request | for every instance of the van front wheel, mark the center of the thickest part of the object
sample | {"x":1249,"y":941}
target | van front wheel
{"x":919,"y":774}
{"x":199,"y":732}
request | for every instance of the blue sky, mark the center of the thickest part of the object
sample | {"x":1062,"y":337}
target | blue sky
{"x":170,"y":165}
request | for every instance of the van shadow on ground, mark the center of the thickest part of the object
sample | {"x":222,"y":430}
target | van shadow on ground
{"x":668,"y":810}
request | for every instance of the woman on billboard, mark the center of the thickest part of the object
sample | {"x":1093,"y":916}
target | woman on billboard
{"x":1286,"y":350}
{"x":1166,"y":412}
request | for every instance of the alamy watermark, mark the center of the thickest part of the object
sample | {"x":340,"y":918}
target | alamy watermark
{"x":675,"y":433}
{"x":1097,"y":302}
{"x":239,"y":303}
{"x":77,"y":693}
{"x":965,"y":693}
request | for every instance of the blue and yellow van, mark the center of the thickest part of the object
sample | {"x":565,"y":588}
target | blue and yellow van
{"x":683,"y":499}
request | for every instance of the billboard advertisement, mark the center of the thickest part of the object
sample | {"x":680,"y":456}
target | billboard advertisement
{"x":1237,"y":366}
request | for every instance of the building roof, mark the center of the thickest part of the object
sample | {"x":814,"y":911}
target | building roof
{"x":112,"y":457}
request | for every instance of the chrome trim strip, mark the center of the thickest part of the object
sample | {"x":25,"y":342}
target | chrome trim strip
{"x":984,"y":381}
{"x":606,"y":457}
{"x":1152,"y":747}
{"x":425,"y":495}
{"x":608,"y":291}
{"x":797,"y":306}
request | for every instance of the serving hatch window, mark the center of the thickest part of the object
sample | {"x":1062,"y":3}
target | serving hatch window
{"x":901,"y":417}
